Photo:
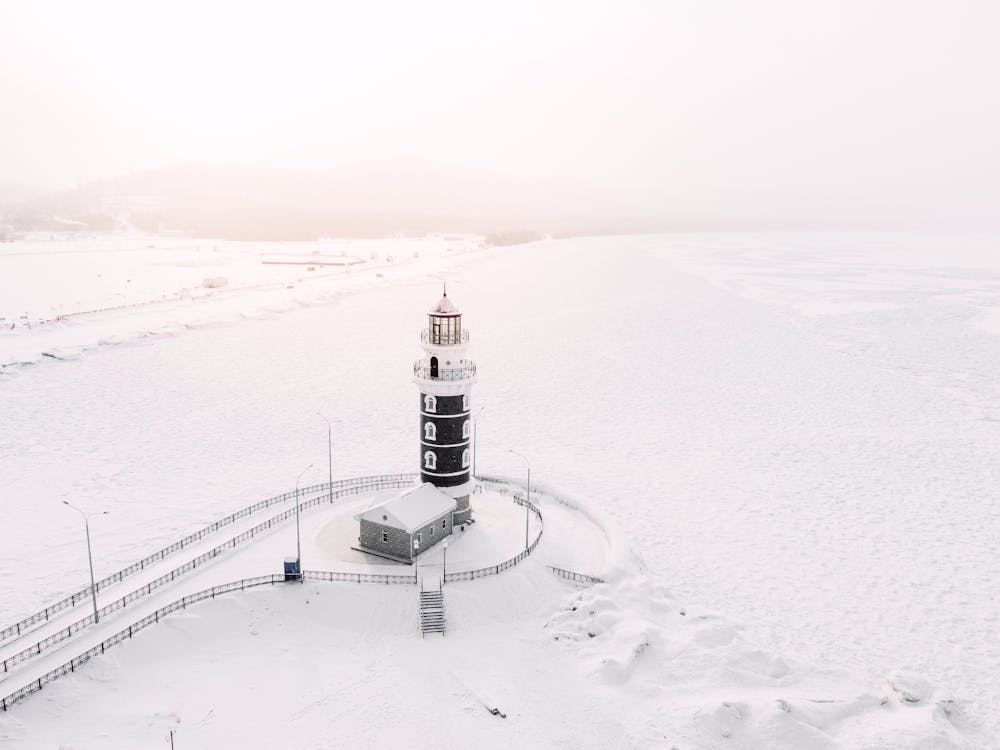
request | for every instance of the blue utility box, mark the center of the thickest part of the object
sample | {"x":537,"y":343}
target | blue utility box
{"x":292,"y":572}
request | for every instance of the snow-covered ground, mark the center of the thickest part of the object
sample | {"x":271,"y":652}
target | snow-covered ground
{"x":799,"y":436}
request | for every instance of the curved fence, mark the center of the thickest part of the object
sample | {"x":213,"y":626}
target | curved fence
{"x":502,"y":488}
{"x":35,"y":685}
{"x":574,"y":576}
{"x":72,"y":600}
{"x":367,"y":483}
{"x":70,"y":666}
{"x":380,"y":482}
{"x":354,"y":486}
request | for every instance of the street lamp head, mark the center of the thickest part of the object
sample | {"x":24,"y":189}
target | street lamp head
{"x":300,"y":476}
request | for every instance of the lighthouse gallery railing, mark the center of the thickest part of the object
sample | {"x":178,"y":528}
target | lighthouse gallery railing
{"x":445,"y":372}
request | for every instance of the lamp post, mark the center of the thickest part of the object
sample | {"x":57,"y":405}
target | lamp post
{"x":329,"y":445}
{"x":416,"y":570}
{"x":298,"y":535}
{"x":90,"y":557}
{"x":475,"y":439}
{"x":527,"y":505}
{"x":444,"y":576}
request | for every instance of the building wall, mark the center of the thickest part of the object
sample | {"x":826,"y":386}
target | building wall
{"x":400,"y":543}
{"x":463,"y":510}
{"x":371,"y":537}
{"x":442,"y":528}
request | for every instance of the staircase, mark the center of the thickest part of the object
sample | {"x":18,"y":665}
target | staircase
{"x":431,"y":612}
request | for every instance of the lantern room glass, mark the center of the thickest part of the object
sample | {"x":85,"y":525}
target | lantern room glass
{"x":445,"y":330}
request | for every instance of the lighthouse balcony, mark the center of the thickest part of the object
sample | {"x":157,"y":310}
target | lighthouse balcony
{"x":429,"y":371}
{"x":443,"y":337}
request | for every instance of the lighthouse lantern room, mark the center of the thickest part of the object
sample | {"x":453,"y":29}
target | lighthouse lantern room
{"x":444,"y":377}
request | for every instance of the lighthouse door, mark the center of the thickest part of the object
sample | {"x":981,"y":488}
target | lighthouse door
{"x":434,"y":367}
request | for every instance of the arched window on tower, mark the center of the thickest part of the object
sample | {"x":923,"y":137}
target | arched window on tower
{"x":465,"y":458}
{"x":431,"y":460}
{"x":465,"y":402}
{"x":465,"y":429}
{"x":430,"y":403}
{"x":430,"y":431}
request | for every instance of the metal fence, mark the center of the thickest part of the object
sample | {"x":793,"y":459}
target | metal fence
{"x":35,"y":685}
{"x":444,"y":338}
{"x":326,"y":575}
{"x":573,"y":576}
{"x":362,"y":484}
{"x":492,"y":570}
{"x":381,"y":482}
{"x":72,"y":600}
{"x":182,"y":603}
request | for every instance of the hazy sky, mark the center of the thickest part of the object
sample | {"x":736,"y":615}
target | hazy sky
{"x":823,"y":112}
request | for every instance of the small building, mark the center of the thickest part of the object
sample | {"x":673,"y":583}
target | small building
{"x":398,"y":518}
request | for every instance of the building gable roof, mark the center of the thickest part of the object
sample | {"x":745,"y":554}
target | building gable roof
{"x":408,"y":509}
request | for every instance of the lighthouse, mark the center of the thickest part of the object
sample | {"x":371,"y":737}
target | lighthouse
{"x":444,"y":377}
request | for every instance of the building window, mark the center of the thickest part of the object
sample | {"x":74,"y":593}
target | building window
{"x":430,"y":403}
{"x":430,"y":460}
{"x":420,"y":537}
{"x":432,"y":531}
{"x":466,"y":428}
{"x":465,"y":402}
{"x":465,"y":458}
{"x":444,"y":523}
{"x":430,"y":431}
{"x":385,"y":537}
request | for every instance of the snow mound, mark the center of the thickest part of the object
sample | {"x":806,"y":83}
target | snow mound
{"x":720,"y":687}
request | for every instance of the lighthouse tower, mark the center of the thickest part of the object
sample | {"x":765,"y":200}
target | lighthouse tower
{"x":445,"y":378}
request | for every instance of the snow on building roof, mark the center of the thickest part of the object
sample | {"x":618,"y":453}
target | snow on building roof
{"x":444,"y":307}
{"x":408,"y":509}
